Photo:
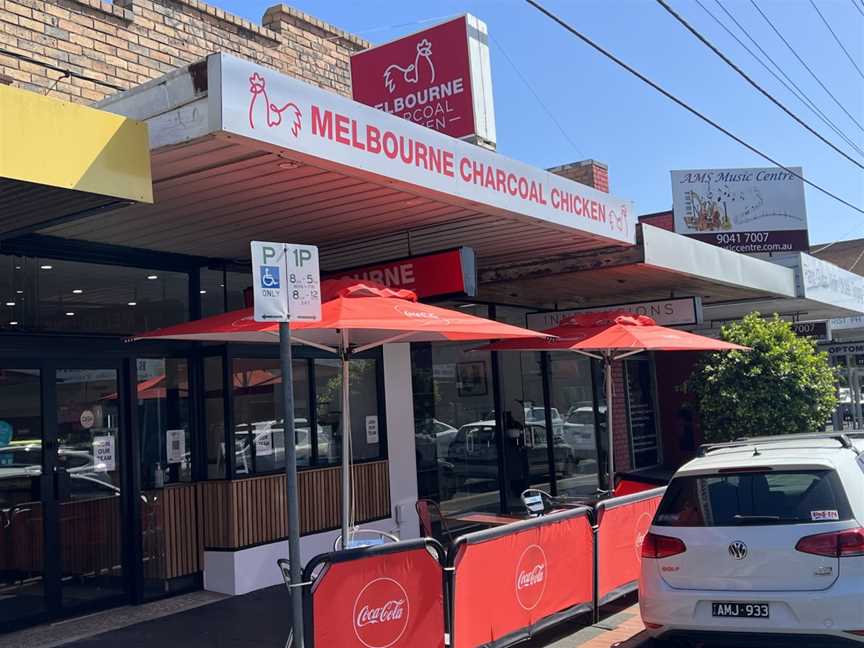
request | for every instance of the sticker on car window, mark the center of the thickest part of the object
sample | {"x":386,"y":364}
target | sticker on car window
{"x":821,"y":516}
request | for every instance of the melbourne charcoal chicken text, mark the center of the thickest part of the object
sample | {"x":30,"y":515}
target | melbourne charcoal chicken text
{"x":411,"y":152}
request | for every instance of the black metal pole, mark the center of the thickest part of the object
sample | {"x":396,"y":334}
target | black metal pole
{"x":291,"y":483}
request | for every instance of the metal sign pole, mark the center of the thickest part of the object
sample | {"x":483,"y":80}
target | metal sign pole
{"x":291,"y":483}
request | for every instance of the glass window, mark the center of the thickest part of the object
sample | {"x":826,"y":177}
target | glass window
{"x":239,"y":284}
{"x":163,"y":421}
{"x":259,"y":433}
{"x":455,"y":431}
{"x":366,"y":427}
{"x":214,"y":418}
{"x":776,"y":497}
{"x":212,"y":292}
{"x":51,"y":295}
{"x":641,"y":411}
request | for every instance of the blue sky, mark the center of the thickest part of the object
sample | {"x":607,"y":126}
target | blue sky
{"x":613,"y":117}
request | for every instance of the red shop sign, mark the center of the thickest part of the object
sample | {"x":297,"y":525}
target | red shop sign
{"x":424,"y":78}
{"x":385,"y":601}
{"x":507,"y":584}
{"x":444,"y":273}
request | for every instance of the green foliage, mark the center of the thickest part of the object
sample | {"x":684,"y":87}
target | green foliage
{"x":782,"y":386}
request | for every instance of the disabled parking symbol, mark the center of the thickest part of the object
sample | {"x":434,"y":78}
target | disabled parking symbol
{"x":270,"y":277}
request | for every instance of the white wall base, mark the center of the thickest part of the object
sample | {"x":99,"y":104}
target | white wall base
{"x":247,"y":570}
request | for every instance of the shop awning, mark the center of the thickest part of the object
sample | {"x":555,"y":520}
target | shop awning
{"x":241,"y":151}
{"x":661,"y":265}
{"x":60,"y":161}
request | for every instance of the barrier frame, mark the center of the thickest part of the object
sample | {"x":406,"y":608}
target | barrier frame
{"x":485,"y":535}
{"x":348,"y":555}
{"x":599,"y":509}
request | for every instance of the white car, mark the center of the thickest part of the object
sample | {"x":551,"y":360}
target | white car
{"x":762,"y":537}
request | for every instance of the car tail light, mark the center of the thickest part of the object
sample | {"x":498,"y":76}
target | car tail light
{"x":837,"y":544}
{"x":859,"y":633}
{"x":660,"y":546}
{"x":657,"y":626}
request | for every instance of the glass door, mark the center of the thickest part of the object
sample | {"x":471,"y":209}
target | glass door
{"x":87,"y":490}
{"x":642,"y":416}
{"x":22,"y":547}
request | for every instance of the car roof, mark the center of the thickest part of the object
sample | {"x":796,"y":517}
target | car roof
{"x":794,"y":451}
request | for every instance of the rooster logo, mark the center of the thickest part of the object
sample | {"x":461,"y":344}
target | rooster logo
{"x":272,"y":112}
{"x":411,"y":74}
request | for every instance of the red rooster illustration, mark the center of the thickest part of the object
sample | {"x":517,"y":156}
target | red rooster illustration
{"x":411,"y":74}
{"x":273,"y":112}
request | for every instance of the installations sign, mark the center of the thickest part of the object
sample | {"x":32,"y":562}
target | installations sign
{"x":286,"y":282}
{"x":681,"y":311}
{"x":745,"y":210}
{"x":437,"y":77}
{"x":251,"y":101}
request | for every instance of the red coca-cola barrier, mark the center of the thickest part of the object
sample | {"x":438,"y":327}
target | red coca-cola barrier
{"x":630,"y":487}
{"x":621,"y":525}
{"x":511,"y":581}
{"x":387,"y":596}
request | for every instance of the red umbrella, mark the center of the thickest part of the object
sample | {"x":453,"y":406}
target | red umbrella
{"x":611,"y":336}
{"x":356,"y":316}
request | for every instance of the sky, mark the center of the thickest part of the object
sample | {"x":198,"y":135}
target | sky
{"x":604,"y":113}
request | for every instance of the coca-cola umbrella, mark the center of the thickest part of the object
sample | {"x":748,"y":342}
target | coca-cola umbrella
{"x":356,"y":316}
{"x":611,"y":336}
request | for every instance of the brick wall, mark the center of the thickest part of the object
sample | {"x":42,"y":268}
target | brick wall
{"x":128,"y":42}
{"x":663,"y":220}
{"x":588,"y":172}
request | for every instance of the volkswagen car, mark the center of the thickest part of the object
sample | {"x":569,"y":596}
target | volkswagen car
{"x":760,"y":540}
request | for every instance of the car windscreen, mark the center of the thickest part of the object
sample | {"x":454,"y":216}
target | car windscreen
{"x":770,"y":497}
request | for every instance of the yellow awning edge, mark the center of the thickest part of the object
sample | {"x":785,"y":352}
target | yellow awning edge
{"x":48,"y":141}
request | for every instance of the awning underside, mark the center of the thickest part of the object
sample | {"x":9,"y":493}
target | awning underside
{"x":216,"y":194}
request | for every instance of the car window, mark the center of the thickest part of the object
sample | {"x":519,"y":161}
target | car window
{"x":733,"y":499}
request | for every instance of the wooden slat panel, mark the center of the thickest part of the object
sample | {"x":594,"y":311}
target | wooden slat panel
{"x":241,"y":513}
{"x":171,"y":545}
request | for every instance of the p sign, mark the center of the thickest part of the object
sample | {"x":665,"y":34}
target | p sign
{"x":286,"y":282}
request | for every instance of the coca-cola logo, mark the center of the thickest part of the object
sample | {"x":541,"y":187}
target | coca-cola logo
{"x":381,"y":612}
{"x":642,"y":526}
{"x":531,"y":576}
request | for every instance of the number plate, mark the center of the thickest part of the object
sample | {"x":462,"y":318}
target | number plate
{"x":740,"y":610}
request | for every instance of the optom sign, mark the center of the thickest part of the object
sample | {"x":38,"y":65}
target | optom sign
{"x":746,"y":210}
{"x":286,"y":282}
{"x":667,"y":312}
{"x":444,"y":273}
{"x":439,"y":78}
{"x":255,"y":102}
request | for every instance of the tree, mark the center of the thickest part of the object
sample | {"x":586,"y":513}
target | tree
{"x":782,"y":386}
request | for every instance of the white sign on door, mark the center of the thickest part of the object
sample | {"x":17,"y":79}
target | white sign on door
{"x":286,"y":282}
{"x":103,"y":453}
{"x":175,"y":444}
{"x":371,"y":429}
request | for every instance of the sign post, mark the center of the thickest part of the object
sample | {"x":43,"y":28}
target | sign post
{"x":287,"y":285}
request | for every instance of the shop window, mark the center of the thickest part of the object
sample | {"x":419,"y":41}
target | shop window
{"x":455,"y":431}
{"x":366,"y":423}
{"x":70,"y":296}
{"x":212,"y":291}
{"x":237,"y":286}
{"x":163,"y":403}
{"x":572,"y":400}
{"x":259,"y":432}
{"x":214,"y":418}
{"x":641,"y":412}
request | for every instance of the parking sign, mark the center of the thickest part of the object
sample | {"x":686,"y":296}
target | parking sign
{"x":287,"y":282}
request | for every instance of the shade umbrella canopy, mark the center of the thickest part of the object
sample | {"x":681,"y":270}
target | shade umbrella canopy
{"x":355,"y":316}
{"x":611,"y":336}
{"x":372,"y":313}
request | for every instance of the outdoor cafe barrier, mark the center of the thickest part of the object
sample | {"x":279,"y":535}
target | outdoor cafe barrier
{"x":621,"y":525}
{"x":383,"y":596}
{"x":513,"y":580}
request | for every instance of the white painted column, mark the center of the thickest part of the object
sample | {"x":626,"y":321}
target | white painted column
{"x":399,"y":399}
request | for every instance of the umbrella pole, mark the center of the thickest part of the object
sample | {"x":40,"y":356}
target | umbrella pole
{"x":607,"y":367}
{"x":291,"y":483}
{"x":346,"y":439}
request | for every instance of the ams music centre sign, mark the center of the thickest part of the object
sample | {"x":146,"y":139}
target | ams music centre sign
{"x":438,"y":77}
